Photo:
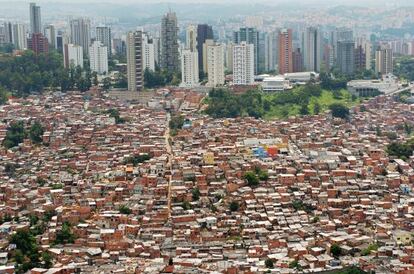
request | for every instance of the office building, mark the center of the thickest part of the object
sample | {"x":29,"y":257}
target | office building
{"x":50,"y":34}
{"x":340,"y":34}
{"x":103,"y":34}
{"x":35,"y":19}
{"x":119,"y":46}
{"x":243,"y":64}
{"x":285,"y":51}
{"x":134,"y":61}
{"x":346,"y":57}
{"x":215,"y":60}
{"x":297,"y":61}
{"x":204,"y":33}
{"x":148,"y":52}
{"x":191,"y":38}
{"x":189,"y":69}
{"x":38,"y":43}
{"x":20,"y":36}
{"x":250,"y":36}
{"x":271,"y":51}
{"x":8,"y":32}
{"x":98,"y":58}
{"x":360,"y":58}
{"x":312,"y":49}
{"x":72,"y":56}
{"x":80,"y":32}
{"x":169,"y":43}
{"x":384,"y":60}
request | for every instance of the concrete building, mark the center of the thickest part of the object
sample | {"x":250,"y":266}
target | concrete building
{"x":38,"y":43}
{"x":312,"y":49}
{"x":98,"y":57}
{"x":346,"y":56}
{"x":134,"y":60}
{"x":50,"y":33}
{"x":35,"y":19}
{"x":72,"y":56}
{"x":250,"y":36}
{"x":384,"y":60}
{"x":215,"y":60}
{"x":243,"y":64}
{"x":169,"y":43}
{"x":204,"y":32}
{"x":189,"y":69}
{"x":275,"y":83}
{"x":191,"y":38}
{"x":285,"y":51}
{"x":148,"y":52}
{"x":208,"y":42}
{"x":103,"y":34}
{"x":360,"y":58}
{"x":80,"y":33}
{"x":20,"y":36}
{"x":297,"y":61}
{"x":229,"y":57}
{"x":364,"y":88}
{"x":340,"y":34}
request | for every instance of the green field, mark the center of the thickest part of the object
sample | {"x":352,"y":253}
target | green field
{"x":325,"y":100}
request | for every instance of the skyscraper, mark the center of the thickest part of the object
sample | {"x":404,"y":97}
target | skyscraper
{"x":312,"y":49}
{"x":384,"y":60}
{"x":204,"y":32}
{"x":191,"y":38}
{"x":340,"y":34}
{"x":35,"y":19}
{"x":215,"y":60}
{"x":80,"y":31}
{"x":346,"y":56}
{"x":38,"y":43}
{"x":8,"y":33}
{"x":360,"y":58}
{"x":134,"y":61}
{"x":72,"y":56}
{"x":103,"y":34}
{"x":297,"y":61}
{"x":50,"y":34}
{"x":98,"y":57}
{"x":271,"y":50}
{"x":250,"y":36}
{"x":243,"y":64}
{"x":148,"y":52}
{"x":189,"y":68}
{"x":285,"y":51}
{"x":169,"y":43}
{"x":19,"y":36}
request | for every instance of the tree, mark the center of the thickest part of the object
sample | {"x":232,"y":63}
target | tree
{"x":36,"y":132}
{"x":15,"y":135}
{"x":316,"y":108}
{"x":195,"y":192}
{"x":4,"y":96}
{"x":176,"y":122}
{"x":304,"y":109}
{"x":269,"y":263}
{"x":335,"y":250}
{"x":137,"y":159}
{"x":114,"y":113}
{"x":123,"y":209}
{"x":251,"y":178}
{"x":106,"y":83}
{"x":295,"y":264}
{"x":339,"y":111}
{"x":234,"y":206}
{"x":47,"y":260}
{"x":65,"y":235}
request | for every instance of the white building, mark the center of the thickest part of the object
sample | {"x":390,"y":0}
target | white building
{"x":50,"y":34}
{"x":243,"y":64}
{"x":134,"y":61}
{"x":271,"y":50}
{"x":275,"y":83}
{"x":98,"y":56}
{"x":215,"y":64}
{"x":148,"y":54}
{"x":383,"y":60}
{"x":103,"y":34}
{"x":191,"y":38}
{"x":19,"y":36}
{"x":312,"y":49}
{"x":72,"y":56}
{"x":189,"y":69}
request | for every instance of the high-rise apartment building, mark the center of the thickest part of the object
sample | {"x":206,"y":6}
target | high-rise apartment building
{"x":340,"y":34}
{"x":208,"y":42}
{"x":384,"y":60}
{"x":360,"y":58}
{"x":169,"y":43}
{"x":312,"y":49}
{"x":35,"y":19}
{"x":103,"y":34}
{"x":80,"y":32}
{"x":243,"y":64}
{"x":189,"y":68}
{"x":271,"y":50}
{"x":38,"y":43}
{"x":204,"y":33}
{"x":215,"y":60}
{"x":50,"y":34}
{"x":297,"y":60}
{"x":98,"y":57}
{"x":19,"y":36}
{"x":148,"y":52}
{"x":250,"y":36}
{"x":134,"y":61}
{"x":346,"y":56}
{"x":285,"y":51}
{"x":8,"y":32}
{"x":191,"y":38}
{"x":72,"y":56}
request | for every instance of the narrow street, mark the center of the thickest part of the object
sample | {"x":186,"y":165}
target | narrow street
{"x":169,"y":162}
